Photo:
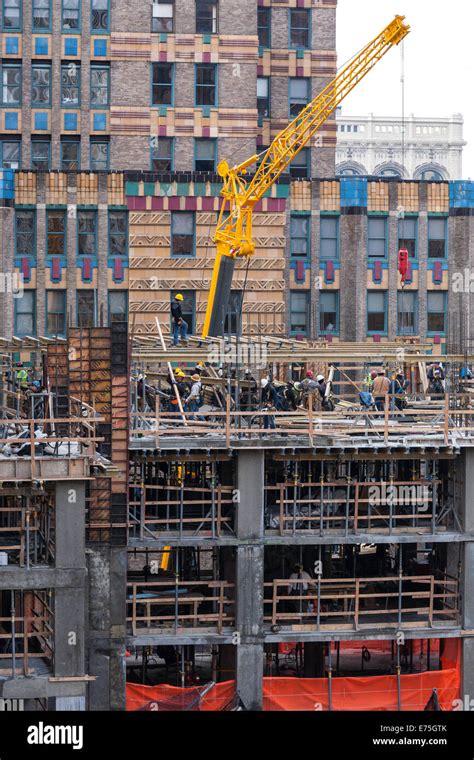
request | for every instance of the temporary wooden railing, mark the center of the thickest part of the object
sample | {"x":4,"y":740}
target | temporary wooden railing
{"x":191,"y":604}
{"x":35,"y":625}
{"x":438,"y":419}
{"x":391,"y":506}
{"x":28,"y":530}
{"x":178,"y":511}
{"x":342,"y":604}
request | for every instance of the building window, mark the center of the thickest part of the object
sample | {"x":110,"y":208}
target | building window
{"x":263,"y":97}
{"x":71,"y":15}
{"x":118,"y":233}
{"x":300,"y":36}
{"x":56,"y":233}
{"x":298,"y":95}
{"x":162,"y":154}
{"x":70,"y":84}
{"x":436,"y":311}
{"x":407,"y":312}
{"x":188,"y":309}
{"x":329,"y":312}
{"x":233,"y":318}
{"x":299,"y":312}
{"x":12,"y":15}
{"x":431,"y":175}
{"x":11,"y":154}
{"x":162,"y":84}
{"x":100,"y":15}
{"x":264,"y":27}
{"x":407,"y":235}
{"x":377,"y":237}
{"x":86,"y":308}
{"x":25,"y":309}
{"x":40,"y":85}
{"x":205,"y":151}
{"x":70,"y":155}
{"x":300,"y":236}
{"x":329,"y":248}
{"x":100,"y":85}
{"x":182,"y":233}
{"x":118,"y":306}
{"x":206,"y":84}
{"x":55,"y":312}
{"x":41,"y":155}
{"x":300,"y":165}
{"x":25,"y":233}
{"x":99,"y":156}
{"x":437,"y":237}
{"x":41,"y":15}
{"x":87,"y":233}
{"x":11,"y":85}
{"x":377,"y":311}
{"x":206,"y":16}
{"x":162,"y":17}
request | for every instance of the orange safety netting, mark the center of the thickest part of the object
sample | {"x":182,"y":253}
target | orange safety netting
{"x":348,"y":693}
{"x":384,"y":645}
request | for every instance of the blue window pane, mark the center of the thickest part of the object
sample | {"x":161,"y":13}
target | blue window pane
{"x":70,"y":121}
{"x":41,"y":46}
{"x":70,"y":47}
{"x":100,"y":121}
{"x":11,"y":46}
{"x":100,"y":47}
{"x":11,"y":121}
{"x":41,"y":121}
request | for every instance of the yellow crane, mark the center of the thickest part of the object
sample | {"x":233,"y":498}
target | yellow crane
{"x":241,"y":192}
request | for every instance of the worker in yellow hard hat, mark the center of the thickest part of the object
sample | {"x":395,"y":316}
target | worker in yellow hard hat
{"x":180,"y":326}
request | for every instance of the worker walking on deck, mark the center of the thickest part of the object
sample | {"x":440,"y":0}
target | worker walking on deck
{"x":380,"y":389}
{"x":193,"y":401}
{"x":180,"y":326}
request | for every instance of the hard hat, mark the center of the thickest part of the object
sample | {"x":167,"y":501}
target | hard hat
{"x":179,"y":297}
{"x":264,"y":382}
{"x":297,"y":386}
{"x":179,"y":373}
{"x":319,"y":378}
{"x":373,"y":374}
{"x":195,"y":377}
{"x":309,"y":374}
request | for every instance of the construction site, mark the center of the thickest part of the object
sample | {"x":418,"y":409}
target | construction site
{"x":237,"y":403}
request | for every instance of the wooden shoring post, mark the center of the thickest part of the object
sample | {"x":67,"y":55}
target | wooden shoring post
{"x":157,"y":421}
{"x":171,"y":373}
{"x":221,"y":608}
{"x":219,"y":510}
{"x":446,"y":418}
{"x":227,"y":420}
{"x":282,"y":514}
{"x":356,"y":604}
{"x":134,"y":609}
{"x":386,"y":418}
{"x":274,"y":602}
{"x":356,"y":507}
{"x":430,"y":615}
{"x":32,"y":454}
{"x":311,"y":421}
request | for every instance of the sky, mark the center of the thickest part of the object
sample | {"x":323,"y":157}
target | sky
{"x":439,"y":61}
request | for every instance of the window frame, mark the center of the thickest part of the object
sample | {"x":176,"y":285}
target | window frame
{"x":291,"y":12}
{"x":99,"y":142}
{"x":18,"y":28}
{"x":10,"y":66}
{"x":214,"y":3}
{"x":372,"y":218}
{"x":110,"y":293}
{"x":124,"y":235}
{"x":155,"y":146}
{"x":70,"y":141}
{"x":80,"y":292}
{"x":63,"y":312}
{"x":32,"y":214}
{"x":47,"y":66}
{"x":261,"y":117}
{"x":385,"y":313}
{"x":443,"y":218}
{"x":211,"y":141}
{"x":67,"y":30}
{"x":40,"y":29}
{"x":49,"y":212}
{"x":92,"y":213}
{"x":210,"y":66}
{"x":414,"y":218}
{"x":174,"y":215}
{"x":307,"y":165}
{"x":444,"y":294}
{"x":99,"y":67}
{"x":172,"y":66}
{"x":308,"y":95}
{"x":295,"y":256}
{"x":17,"y":301}
{"x":400,"y":295}
{"x":268,"y":11}
{"x":62,"y":104}
{"x":337,"y":219}
{"x":8,"y":140}
{"x":307,"y":330}
{"x":46,"y":142}
{"x":336,"y":294}
{"x":100,"y":30}
{"x":158,"y":3}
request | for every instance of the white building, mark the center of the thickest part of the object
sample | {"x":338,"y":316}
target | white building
{"x":380,"y":145}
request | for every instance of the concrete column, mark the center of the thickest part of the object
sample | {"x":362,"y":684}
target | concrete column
{"x":249,"y":578}
{"x":70,"y":602}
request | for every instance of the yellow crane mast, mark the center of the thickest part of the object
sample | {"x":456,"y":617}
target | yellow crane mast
{"x":241,"y":192}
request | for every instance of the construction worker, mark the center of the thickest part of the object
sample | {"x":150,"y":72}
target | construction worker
{"x":21,"y":377}
{"x":269,"y":399}
{"x":180,"y":326}
{"x":300,"y":584}
{"x":194,"y":398}
{"x":380,"y":389}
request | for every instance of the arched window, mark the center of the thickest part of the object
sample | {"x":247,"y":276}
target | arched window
{"x":350,"y":169}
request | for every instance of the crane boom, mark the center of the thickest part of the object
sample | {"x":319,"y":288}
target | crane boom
{"x":233,"y":235}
